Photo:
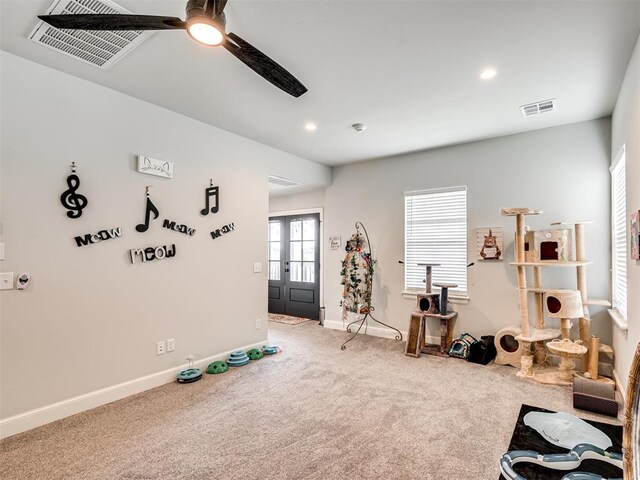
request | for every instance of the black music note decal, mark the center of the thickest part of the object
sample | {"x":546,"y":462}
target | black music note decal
{"x":72,"y":201}
{"x":208,"y":193}
{"x":143,"y":227}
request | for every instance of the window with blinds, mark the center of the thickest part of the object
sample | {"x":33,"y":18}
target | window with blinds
{"x":619,"y":234}
{"x":435,"y":231}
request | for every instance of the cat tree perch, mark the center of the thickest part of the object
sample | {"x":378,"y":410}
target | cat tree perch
{"x":552,"y":248}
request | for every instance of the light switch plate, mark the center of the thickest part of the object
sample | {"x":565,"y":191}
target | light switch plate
{"x":1,"y":251}
{"x":6,"y":281}
{"x":257,"y":267}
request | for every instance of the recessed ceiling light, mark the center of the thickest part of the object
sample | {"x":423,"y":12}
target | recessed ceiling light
{"x":310,"y":127}
{"x":488,"y":73}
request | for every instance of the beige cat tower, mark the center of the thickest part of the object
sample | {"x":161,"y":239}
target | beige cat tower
{"x":527,"y":346}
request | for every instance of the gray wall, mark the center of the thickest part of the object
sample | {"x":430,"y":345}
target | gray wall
{"x":626,"y":131}
{"x":562,"y":171}
{"x":91,"y":319}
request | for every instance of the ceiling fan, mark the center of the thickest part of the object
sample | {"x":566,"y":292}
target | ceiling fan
{"x":205,"y":23}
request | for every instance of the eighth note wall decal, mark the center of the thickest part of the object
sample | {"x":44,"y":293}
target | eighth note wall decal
{"x":150,"y":207}
{"x":209,"y":192}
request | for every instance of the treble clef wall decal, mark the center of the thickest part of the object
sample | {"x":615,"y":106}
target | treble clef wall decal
{"x":143,"y":227}
{"x":70,"y":199}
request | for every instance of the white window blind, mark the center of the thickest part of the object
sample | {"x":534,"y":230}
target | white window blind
{"x":619,"y":234}
{"x":435,"y":223}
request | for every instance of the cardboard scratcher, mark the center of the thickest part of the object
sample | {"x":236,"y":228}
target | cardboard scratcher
{"x":595,"y":396}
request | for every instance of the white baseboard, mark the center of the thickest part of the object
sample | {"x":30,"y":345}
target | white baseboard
{"x":50,"y":413}
{"x":375,"y":331}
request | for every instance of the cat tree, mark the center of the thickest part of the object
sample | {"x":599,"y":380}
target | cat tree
{"x":552,"y":248}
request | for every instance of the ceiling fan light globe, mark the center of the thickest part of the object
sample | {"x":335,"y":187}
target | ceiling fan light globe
{"x":205,"y":33}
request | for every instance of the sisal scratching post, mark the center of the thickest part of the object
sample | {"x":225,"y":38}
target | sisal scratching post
{"x":522,"y":277}
{"x":581,"y":272}
{"x":539,"y":352}
{"x":592,"y":360}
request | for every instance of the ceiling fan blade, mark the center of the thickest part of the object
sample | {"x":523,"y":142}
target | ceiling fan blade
{"x":263,"y":65}
{"x":113,"y":22}
{"x":219,"y":6}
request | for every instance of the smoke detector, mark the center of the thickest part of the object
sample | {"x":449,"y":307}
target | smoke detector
{"x":359,"y":127}
{"x":537,"y":108}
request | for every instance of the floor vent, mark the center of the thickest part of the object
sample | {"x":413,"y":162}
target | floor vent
{"x":282,"y":182}
{"x":538,"y":107}
{"x":101,"y":49}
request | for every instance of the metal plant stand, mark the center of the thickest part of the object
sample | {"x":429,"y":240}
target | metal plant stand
{"x":364,"y":320}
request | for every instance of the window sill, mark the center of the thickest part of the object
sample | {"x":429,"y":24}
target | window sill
{"x":457,"y":298}
{"x":618,"y":319}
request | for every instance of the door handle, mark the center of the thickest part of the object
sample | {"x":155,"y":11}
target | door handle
{"x":286,"y":270}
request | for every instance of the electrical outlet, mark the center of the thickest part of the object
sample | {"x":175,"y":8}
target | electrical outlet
{"x":258,"y":324}
{"x":161,"y":348}
{"x":171,"y":344}
{"x":257,"y":267}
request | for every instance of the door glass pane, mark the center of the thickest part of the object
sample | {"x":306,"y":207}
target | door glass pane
{"x":295,"y":275}
{"x":295,"y":230}
{"x":308,"y":251}
{"x":308,"y":272}
{"x":274,"y":250}
{"x":309,"y":229}
{"x":274,"y":231}
{"x":274,"y":270}
{"x":295,"y":250}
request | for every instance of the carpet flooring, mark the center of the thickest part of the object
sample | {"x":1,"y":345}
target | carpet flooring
{"x":310,"y":412}
{"x":287,"y":319}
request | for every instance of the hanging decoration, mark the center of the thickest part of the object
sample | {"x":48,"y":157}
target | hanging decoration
{"x":170,"y":225}
{"x":152,"y":253}
{"x":89,"y":238}
{"x":357,"y":278}
{"x":70,"y":199}
{"x":357,"y":275}
{"x":209,"y":192}
{"x":223,"y":230}
{"x":150,"y":207}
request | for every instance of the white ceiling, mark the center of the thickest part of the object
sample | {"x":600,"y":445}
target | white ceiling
{"x":409,"y":70}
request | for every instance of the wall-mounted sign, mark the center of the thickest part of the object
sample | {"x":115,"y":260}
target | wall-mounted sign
{"x":152,"y":253}
{"x":335,"y":242}
{"x":179,"y":228}
{"x":150,"y":207}
{"x":70,"y":199}
{"x":153,"y":166}
{"x":489,"y":243}
{"x":635,"y":236}
{"x":208,"y":194}
{"x":218,"y":232}
{"x":89,"y":238}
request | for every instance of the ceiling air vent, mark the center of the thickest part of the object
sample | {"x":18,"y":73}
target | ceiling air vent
{"x":282,"y":182}
{"x":538,"y":107}
{"x":98,"y":48}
